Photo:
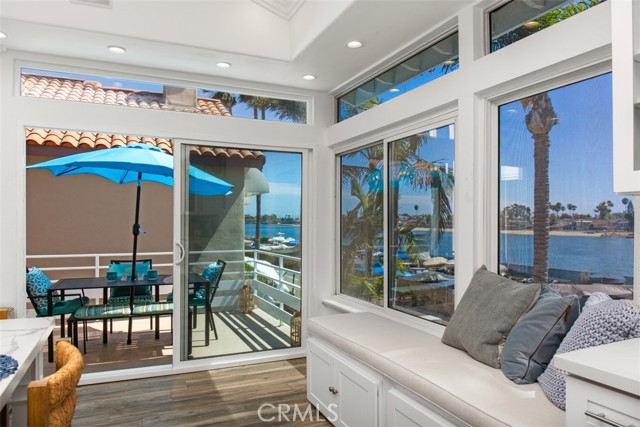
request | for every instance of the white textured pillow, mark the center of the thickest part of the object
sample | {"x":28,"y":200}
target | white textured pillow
{"x":603,"y":323}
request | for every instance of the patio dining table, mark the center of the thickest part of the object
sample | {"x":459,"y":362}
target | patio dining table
{"x":63,"y":285}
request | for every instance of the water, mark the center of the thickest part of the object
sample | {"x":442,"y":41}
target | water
{"x":577,"y":253}
{"x":613,"y":255}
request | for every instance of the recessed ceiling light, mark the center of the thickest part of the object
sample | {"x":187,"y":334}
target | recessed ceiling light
{"x":309,"y":77}
{"x":394,"y":89}
{"x":3,"y":35}
{"x":354,"y":44}
{"x":116,"y":49}
{"x":531,"y":25}
{"x":223,"y":65}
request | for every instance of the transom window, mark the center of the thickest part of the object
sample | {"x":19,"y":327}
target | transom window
{"x":158,"y":96}
{"x":517,"y":19}
{"x":435,"y":61}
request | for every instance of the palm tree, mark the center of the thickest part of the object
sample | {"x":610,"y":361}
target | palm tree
{"x":259,"y":104}
{"x":540,"y":118}
{"x":226,"y":98}
{"x":363,"y":224}
{"x":287,"y":109}
{"x":572,"y":208}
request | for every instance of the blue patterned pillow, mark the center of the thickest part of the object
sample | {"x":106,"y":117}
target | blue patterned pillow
{"x":212,"y":272}
{"x":38,"y":284}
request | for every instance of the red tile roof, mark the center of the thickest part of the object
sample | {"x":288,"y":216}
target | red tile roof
{"x":69,"y":89}
{"x":63,"y":138}
{"x":91,"y":91}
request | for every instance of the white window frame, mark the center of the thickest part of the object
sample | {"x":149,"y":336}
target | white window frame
{"x":386,"y":137}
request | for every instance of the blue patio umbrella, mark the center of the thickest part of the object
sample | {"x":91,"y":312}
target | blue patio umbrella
{"x":134,"y":163}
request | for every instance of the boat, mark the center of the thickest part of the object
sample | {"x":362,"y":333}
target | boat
{"x":280,"y":244}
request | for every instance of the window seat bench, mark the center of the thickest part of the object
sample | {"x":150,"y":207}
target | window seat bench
{"x":402,"y":360}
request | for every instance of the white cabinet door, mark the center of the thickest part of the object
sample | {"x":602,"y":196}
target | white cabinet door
{"x":320,"y":377}
{"x":403,"y":411}
{"x":346,"y":393}
{"x":357,"y":394}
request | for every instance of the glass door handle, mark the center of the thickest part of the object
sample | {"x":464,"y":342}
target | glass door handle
{"x":182,"y":253}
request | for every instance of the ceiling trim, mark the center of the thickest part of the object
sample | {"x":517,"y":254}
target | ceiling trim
{"x":285,"y":9}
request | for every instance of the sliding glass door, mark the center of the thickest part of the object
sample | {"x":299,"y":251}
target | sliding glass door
{"x":240,"y":246}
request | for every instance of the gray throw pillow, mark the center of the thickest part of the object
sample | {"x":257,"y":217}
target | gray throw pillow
{"x":486,"y":313}
{"x":603,"y":323}
{"x":534,"y":340}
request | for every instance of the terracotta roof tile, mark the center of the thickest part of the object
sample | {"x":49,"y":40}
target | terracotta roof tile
{"x":61,"y":138}
{"x":91,"y":91}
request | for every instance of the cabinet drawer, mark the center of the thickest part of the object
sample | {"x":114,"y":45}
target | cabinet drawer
{"x":403,"y":411}
{"x":590,"y":404}
{"x":596,"y":414}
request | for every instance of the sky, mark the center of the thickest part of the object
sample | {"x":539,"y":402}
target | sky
{"x":580,"y":153}
{"x":284,"y":173}
{"x":439,"y":149}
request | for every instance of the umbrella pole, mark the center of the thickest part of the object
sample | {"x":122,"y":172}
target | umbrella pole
{"x":136,"y":229}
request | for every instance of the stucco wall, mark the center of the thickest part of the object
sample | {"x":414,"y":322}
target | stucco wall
{"x":85,"y":214}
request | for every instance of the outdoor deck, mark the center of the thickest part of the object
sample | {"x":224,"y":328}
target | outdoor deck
{"x":237,"y":333}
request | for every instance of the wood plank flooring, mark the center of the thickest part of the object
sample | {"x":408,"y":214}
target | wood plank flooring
{"x":229,"y":397}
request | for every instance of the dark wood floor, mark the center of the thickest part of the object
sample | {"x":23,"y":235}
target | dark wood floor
{"x":229,"y":397}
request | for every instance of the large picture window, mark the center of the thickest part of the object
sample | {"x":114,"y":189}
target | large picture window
{"x":559,"y":220}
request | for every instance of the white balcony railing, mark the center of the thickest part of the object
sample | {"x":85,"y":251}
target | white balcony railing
{"x":277,"y":289}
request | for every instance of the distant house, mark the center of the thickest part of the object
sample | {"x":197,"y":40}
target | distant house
{"x":582,"y":225}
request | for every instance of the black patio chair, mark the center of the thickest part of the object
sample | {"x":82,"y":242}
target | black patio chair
{"x":37,"y":286}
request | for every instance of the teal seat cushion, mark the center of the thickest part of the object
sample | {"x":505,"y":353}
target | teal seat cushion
{"x":37,"y":286}
{"x":153,"y":308}
{"x":103,"y":311}
{"x":196,"y":300}
{"x":68,"y":306}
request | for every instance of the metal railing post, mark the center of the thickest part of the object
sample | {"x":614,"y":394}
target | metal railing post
{"x":96,"y":265}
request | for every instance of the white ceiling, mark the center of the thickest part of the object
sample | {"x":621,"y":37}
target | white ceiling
{"x":267,"y":41}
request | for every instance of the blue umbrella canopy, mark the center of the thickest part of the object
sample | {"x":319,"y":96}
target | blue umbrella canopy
{"x":123,"y":164}
{"x":134,"y":163}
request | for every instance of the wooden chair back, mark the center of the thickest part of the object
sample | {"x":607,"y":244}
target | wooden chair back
{"x":51,"y":401}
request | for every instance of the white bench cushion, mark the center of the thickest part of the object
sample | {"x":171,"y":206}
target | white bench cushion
{"x":449,"y":378}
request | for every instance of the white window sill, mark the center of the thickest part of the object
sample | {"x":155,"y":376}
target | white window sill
{"x":345,"y":304}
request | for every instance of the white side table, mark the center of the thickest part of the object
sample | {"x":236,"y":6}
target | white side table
{"x":22,"y":339}
{"x":603,"y":386}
